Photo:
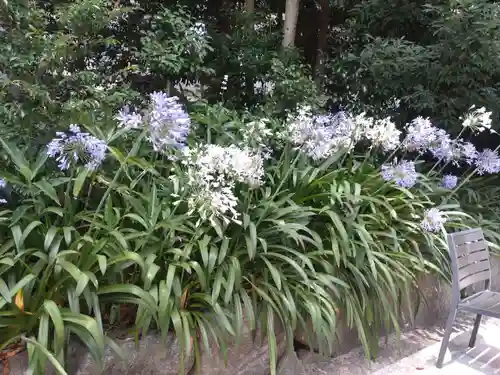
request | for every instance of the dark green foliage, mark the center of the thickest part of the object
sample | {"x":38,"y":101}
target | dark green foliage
{"x":62,"y":60}
{"x":436,"y":57}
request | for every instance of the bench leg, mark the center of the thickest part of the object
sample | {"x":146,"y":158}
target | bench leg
{"x":473,"y":336}
{"x":446,"y":338}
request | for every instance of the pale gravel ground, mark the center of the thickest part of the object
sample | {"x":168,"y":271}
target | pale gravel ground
{"x":416,"y":354}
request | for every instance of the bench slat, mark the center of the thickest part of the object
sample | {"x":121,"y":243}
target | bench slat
{"x":471,"y":247}
{"x":487,"y":301}
{"x":468,"y":236}
{"x":474,"y":278}
{"x":473,"y":268}
{"x":472,"y":258}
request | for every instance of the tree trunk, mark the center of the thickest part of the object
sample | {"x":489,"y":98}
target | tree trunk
{"x":290,"y":24}
{"x":250,"y":6}
{"x":324,"y":21}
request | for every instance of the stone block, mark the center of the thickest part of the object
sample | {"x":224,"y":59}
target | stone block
{"x":249,"y":357}
{"x":346,"y":338}
{"x":431,"y":301}
{"x":150,"y":357}
{"x":291,"y":365}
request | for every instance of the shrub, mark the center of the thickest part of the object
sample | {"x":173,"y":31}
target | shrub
{"x":210,"y":227}
{"x":63,"y":60}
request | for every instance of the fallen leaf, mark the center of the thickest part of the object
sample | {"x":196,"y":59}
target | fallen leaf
{"x":19,"y":301}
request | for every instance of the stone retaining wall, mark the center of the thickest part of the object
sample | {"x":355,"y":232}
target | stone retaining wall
{"x":152,"y":357}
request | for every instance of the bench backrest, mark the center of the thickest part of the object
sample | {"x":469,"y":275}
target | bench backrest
{"x":470,"y":258}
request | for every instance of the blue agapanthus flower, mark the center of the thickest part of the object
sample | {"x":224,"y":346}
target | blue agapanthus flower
{"x":168,"y":122}
{"x":444,"y":148}
{"x":469,"y":152}
{"x":403,"y":173}
{"x":420,"y":135}
{"x":77,"y":146}
{"x":433,"y":220}
{"x":487,"y":161}
{"x":449,"y":181}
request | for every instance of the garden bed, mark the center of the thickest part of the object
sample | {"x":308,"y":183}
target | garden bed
{"x":251,"y":356}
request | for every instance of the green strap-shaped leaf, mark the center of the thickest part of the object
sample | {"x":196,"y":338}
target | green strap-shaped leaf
{"x":88,"y":324}
{"x":79,"y":180}
{"x":4,"y":291}
{"x":49,"y":237}
{"x":44,"y":351}
{"x":102,"y":260}
{"x":121,"y":239}
{"x":48,"y":189}
{"x":43,"y":338}
{"x":55,"y":315}
{"x":128,"y":290}
{"x":17,"y":158}
{"x":39,"y":163}
{"x":28,"y":230}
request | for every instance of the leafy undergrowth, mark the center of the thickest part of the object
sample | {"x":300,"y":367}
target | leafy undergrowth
{"x":253,"y":221}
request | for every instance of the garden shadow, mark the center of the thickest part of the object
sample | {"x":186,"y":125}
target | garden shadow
{"x":483,"y":358}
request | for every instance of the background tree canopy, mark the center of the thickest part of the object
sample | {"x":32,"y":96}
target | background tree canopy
{"x":433,"y":58}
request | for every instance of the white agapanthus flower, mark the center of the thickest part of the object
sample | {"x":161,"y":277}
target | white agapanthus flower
{"x":433,"y":220}
{"x":477,"y":119}
{"x":213,"y":172}
{"x":231,"y":162}
{"x":382,"y":133}
{"x":214,"y":203}
{"x":322,"y":135}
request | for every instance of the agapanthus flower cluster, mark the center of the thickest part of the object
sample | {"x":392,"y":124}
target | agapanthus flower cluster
{"x":487,"y":161}
{"x":477,"y":119}
{"x":213,"y":172}
{"x":449,"y":181}
{"x":444,"y":148}
{"x":402,"y":173}
{"x":469,"y":152}
{"x":423,"y":137}
{"x":381,"y":133}
{"x":310,"y":136}
{"x":216,"y":203}
{"x":323,"y":135}
{"x":169,"y":123}
{"x":166,"y":120}
{"x":77,"y":146}
{"x":433,"y":220}
{"x":129,"y":119}
{"x":420,"y":135}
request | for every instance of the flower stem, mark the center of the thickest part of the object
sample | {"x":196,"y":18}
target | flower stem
{"x":132,"y":152}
